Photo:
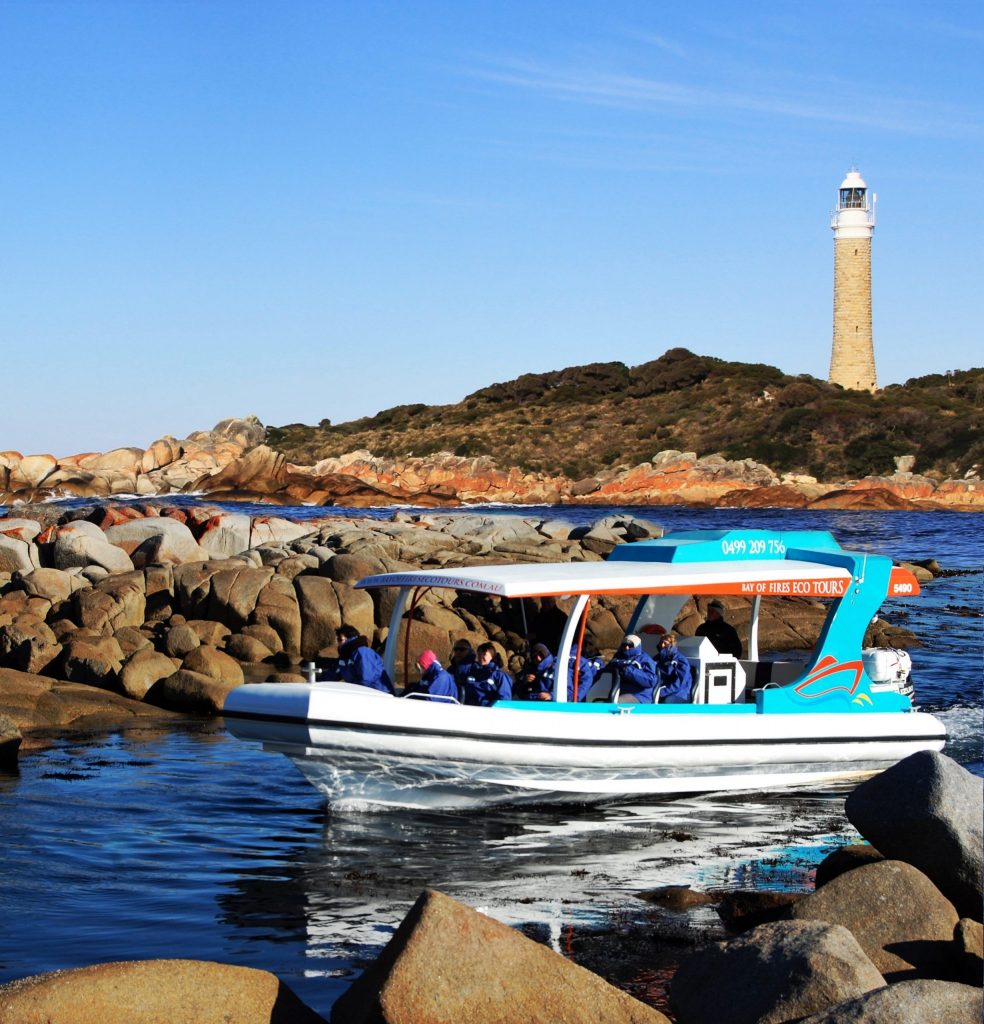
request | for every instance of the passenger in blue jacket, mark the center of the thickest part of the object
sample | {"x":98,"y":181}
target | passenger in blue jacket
{"x":462,"y":662}
{"x":435,"y":680}
{"x":675,"y":676}
{"x":358,"y":662}
{"x":537,"y":682}
{"x":635,"y":670}
{"x":589,"y":667}
{"x":539,"y":679}
{"x":487,"y":681}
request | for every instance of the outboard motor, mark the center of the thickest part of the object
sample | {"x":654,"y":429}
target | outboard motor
{"x":890,"y":670}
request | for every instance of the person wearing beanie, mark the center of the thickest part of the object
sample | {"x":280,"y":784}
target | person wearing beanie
{"x":675,"y":678}
{"x":537,"y":680}
{"x":635,"y":670}
{"x":435,"y":680}
{"x":462,"y":661}
{"x":722,"y":634}
{"x":358,"y":662}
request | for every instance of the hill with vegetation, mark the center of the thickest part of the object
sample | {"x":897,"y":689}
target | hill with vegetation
{"x":585,"y":419}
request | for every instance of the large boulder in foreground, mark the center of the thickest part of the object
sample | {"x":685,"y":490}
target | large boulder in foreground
{"x":928,"y":1002}
{"x":777,"y":972}
{"x":449,"y":964}
{"x":152,"y":991}
{"x":927,"y":810}
{"x":901,"y":920}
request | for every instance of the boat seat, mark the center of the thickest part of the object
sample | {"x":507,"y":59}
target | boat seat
{"x":601,"y":688}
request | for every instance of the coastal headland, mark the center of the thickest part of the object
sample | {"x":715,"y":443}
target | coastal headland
{"x":682,"y":429}
{"x":233,"y":461}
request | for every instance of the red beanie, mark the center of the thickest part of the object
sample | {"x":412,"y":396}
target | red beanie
{"x":426,"y":659}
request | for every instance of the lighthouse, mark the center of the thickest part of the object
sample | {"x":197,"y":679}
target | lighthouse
{"x":852,"y":361}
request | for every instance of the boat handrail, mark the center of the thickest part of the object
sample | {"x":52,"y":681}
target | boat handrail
{"x":431,"y":696}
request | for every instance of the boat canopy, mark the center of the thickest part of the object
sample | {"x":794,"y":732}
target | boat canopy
{"x":542,"y":579}
{"x":746,"y":563}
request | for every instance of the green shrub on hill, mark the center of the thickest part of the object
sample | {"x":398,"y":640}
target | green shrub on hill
{"x":584,"y":419}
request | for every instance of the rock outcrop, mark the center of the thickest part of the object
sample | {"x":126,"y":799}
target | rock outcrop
{"x":232,"y":461}
{"x":151,"y":991}
{"x":447,"y":964}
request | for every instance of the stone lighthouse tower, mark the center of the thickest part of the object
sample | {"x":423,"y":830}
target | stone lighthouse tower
{"x":852,"y":362}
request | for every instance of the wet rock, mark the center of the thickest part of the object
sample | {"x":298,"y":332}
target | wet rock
{"x":928,"y":811}
{"x":34,"y":702}
{"x":152,"y":991}
{"x":676,"y":897}
{"x":845,"y":858}
{"x":777,"y":972}
{"x":10,"y":741}
{"x":746,"y":909}
{"x":928,"y":1002}
{"x":900,"y":919}
{"x":495,"y":974}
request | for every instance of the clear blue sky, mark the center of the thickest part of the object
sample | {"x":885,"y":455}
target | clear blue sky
{"x":304,"y":209}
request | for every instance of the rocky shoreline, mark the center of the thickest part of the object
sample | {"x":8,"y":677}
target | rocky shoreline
{"x":233,"y":462}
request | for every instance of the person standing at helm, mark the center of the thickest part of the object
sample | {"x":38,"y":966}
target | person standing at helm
{"x":358,"y":662}
{"x":722,"y":634}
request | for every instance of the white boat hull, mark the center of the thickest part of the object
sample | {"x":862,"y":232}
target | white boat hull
{"x":361,"y":747}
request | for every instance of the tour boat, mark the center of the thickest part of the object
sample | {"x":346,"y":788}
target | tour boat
{"x":753,"y":723}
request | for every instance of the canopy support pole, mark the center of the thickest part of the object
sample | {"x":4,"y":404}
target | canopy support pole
{"x":564,"y":648}
{"x":753,"y":629}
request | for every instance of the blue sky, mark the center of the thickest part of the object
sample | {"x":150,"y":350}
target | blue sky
{"x":304,"y":210}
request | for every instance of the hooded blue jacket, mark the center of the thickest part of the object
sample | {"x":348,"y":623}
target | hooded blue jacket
{"x":544,"y":682}
{"x":674,"y":676}
{"x":485,"y":684}
{"x":637,"y":674}
{"x":436,"y":681}
{"x":360,"y":664}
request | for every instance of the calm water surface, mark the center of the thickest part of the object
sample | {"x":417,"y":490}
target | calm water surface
{"x":188,"y":843}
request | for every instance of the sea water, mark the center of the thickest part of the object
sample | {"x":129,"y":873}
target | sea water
{"x":184,"y":842}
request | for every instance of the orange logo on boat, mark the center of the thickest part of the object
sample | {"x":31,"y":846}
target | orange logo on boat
{"x":830,"y":667}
